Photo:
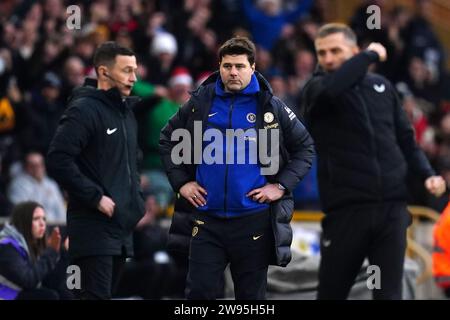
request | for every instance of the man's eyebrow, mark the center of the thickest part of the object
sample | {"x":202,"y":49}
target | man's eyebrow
{"x":235,"y":64}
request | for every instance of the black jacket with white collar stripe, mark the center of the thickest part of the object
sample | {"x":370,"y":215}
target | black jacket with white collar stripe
{"x":364,"y":140}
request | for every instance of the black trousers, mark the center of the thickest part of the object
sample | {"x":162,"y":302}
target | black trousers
{"x":99,"y":276}
{"x":246,"y":243}
{"x":41,"y":293}
{"x":377,"y":232}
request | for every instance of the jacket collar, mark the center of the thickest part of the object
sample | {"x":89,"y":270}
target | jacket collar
{"x":113,"y":95}
{"x":264,"y":86}
{"x":250,"y":89}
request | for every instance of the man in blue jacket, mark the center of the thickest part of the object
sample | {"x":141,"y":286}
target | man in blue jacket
{"x":234,"y":211}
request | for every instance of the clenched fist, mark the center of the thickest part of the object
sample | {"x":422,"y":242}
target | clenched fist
{"x":435,"y":185}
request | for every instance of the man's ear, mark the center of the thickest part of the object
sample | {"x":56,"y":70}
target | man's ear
{"x":356,"y":50}
{"x":253,"y":67}
{"x":101,"y":70}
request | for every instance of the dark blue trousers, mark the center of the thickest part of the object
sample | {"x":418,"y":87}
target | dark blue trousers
{"x":245,"y":242}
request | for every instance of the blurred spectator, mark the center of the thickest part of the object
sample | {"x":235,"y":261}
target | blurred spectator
{"x":180,"y":83}
{"x":279,"y":86}
{"x":122,"y":17}
{"x":420,"y":82}
{"x":124,"y":39}
{"x":226,"y":16}
{"x":32,"y":267}
{"x":47,"y":108}
{"x":263,"y":61}
{"x":74,"y":73}
{"x":198,"y":44}
{"x":318,"y":10}
{"x":34,"y":184}
{"x":304,"y":64}
{"x":84,"y":48}
{"x":287,"y":50}
{"x":422,"y":41}
{"x":15,"y":130}
{"x":388,"y":34}
{"x":424,"y":133}
{"x":156,"y":113}
{"x":359,"y":22}
{"x":425,"y":138}
{"x":54,"y":11}
{"x":164,"y":49}
{"x":49,"y":55}
{"x":269,"y":20}
{"x":98,"y":24}
{"x":306,"y":31}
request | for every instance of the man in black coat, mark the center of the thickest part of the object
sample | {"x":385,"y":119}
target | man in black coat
{"x":365,"y":146}
{"x":238,"y":211}
{"x":93,"y":155}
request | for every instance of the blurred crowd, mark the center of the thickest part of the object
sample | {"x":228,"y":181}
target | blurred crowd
{"x":176,"y":41}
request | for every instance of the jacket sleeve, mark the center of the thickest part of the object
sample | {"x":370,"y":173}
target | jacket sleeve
{"x":299,"y":145}
{"x":415,"y":157}
{"x":331,"y":85}
{"x":76,"y":128}
{"x":21,"y":272}
{"x":177,"y":173}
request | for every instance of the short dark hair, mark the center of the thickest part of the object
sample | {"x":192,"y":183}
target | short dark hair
{"x":331,"y":28}
{"x":106,"y":53}
{"x":238,"y":45}
{"x":21,"y":219}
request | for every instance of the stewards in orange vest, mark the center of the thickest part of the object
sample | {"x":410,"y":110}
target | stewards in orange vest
{"x":441,"y":251}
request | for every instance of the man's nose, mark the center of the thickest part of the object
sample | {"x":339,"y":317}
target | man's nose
{"x":133,"y":77}
{"x":328,"y":58}
{"x":233,"y":71}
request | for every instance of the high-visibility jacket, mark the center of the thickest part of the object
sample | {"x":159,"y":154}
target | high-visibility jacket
{"x":441,"y":250}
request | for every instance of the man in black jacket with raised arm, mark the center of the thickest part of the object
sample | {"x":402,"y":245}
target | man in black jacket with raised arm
{"x":365,"y":146}
{"x":93,"y":156}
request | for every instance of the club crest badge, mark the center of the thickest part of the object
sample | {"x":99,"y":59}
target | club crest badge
{"x":251,"y":117}
{"x":268,"y":117}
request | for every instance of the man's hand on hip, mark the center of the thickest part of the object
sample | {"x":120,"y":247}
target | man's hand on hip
{"x":270,"y":192}
{"x":435,"y":185}
{"x":106,"y":206}
{"x":194,"y":193}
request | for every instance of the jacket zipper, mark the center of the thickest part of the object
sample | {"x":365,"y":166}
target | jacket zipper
{"x":126,"y":149}
{"x":226,"y":158}
{"x":373,"y":141}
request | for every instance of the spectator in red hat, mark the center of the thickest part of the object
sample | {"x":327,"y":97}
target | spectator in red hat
{"x":163,"y":51}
